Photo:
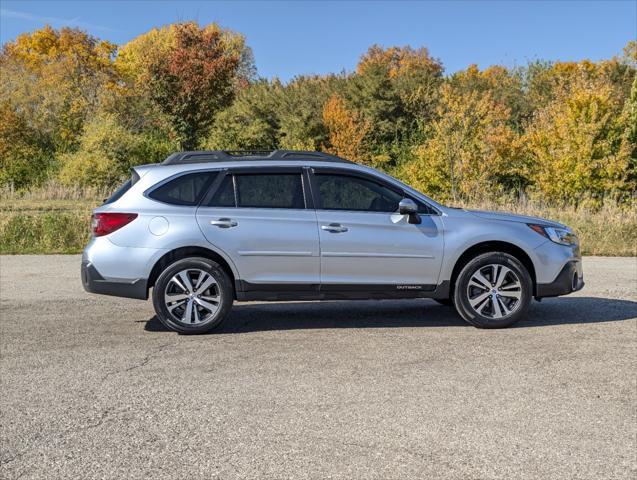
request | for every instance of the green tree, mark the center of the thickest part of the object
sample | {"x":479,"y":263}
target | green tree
{"x":251,"y":122}
{"x":107,"y":151}
{"x":24,"y":154}
{"x":473,"y":151}
{"x":395,"y":90}
{"x":505,"y":86}
{"x":580,"y":144}
{"x":300,"y":111}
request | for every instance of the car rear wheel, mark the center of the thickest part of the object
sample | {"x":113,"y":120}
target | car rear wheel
{"x":193,"y":295}
{"x":493,"y":290}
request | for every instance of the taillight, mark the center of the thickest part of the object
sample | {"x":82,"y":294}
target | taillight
{"x":105,"y":223}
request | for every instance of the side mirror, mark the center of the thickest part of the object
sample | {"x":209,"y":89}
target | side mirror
{"x":408,"y":207}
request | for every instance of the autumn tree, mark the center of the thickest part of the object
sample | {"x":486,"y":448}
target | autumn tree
{"x":580,"y":144}
{"x":108,"y":150}
{"x":268,"y":114}
{"x":56,"y":78}
{"x":190,"y":73}
{"x":24,"y":153}
{"x":505,"y":86}
{"x":395,"y":90}
{"x":546,"y":81}
{"x":472,"y":152}
{"x":414,"y":74}
{"x":300,"y":111}
{"x":347,"y":130}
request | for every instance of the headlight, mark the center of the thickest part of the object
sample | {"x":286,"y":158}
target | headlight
{"x":563,"y":236}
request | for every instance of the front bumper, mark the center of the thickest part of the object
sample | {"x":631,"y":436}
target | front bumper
{"x":569,"y":280}
{"x":93,"y":282}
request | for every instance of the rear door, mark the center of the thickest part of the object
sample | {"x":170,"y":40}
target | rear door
{"x":262,"y":218}
{"x":365,"y":242}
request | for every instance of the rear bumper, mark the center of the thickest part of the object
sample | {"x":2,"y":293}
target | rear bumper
{"x":569,"y":280}
{"x":93,"y":282}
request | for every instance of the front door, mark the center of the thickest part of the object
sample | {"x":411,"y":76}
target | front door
{"x":259,"y":218}
{"x":366,"y":243}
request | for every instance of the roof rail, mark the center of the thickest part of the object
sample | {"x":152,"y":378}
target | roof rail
{"x":205,"y":156}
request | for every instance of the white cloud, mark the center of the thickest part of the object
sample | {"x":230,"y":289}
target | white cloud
{"x":70,"y":22}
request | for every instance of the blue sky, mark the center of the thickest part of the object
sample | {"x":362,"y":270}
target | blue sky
{"x":290,"y":38}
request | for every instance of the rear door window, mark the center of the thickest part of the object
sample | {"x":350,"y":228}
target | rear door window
{"x":270,"y":191}
{"x":260,"y":190}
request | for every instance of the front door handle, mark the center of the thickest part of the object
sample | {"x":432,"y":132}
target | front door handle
{"x":224,"y":223}
{"x":334,"y":228}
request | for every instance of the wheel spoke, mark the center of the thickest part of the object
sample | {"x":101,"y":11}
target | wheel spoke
{"x":510,"y":286}
{"x":206,"y":285}
{"x":495,"y":303}
{"x":211,"y":307}
{"x":187,"y":318}
{"x":196,"y":312}
{"x":186,"y":280}
{"x":210,"y":298}
{"x":501,"y":275}
{"x":202,"y":276}
{"x":175,"y":297}
{"x":504,"y":307}
{"x":484,"y":304}
{"x":177,"y":282}
{"x":480,"y":281}
{"x":480,"y":298}
{"x":511,"y":294}
{"x":175,"y":305}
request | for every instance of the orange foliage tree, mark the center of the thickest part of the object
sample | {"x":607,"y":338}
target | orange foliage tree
{"x":346,"y":129}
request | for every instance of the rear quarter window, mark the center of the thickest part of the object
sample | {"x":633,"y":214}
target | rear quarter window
{"x":186,"y":190}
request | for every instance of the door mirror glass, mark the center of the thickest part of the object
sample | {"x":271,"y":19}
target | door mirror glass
{"x":408,"y":207}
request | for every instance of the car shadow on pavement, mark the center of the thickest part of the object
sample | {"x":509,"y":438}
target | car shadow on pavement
{"x":253,"y":317}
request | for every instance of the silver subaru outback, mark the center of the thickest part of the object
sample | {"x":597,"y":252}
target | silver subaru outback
{"x":203,"y":229}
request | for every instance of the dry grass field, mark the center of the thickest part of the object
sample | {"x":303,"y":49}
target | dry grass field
{"x":56,"y":219}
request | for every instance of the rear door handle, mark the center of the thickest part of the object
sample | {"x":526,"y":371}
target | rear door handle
{"x":334,"y":228}
{"x":224,"y":223}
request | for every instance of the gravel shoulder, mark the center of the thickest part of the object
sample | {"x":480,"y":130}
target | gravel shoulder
{"x":94,"y":387}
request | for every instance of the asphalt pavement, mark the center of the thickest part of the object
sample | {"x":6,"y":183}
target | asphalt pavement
{"x":94,"y":387}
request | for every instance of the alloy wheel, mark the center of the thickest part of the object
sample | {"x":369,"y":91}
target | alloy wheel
{"x":192,"y":296}
{"x":494,"y":291}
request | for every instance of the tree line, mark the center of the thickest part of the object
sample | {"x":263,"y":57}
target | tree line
{"x":82,"y":111}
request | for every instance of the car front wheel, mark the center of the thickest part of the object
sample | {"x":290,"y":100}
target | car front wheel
{"x":193,"y":295}
{"x":493,"y":290}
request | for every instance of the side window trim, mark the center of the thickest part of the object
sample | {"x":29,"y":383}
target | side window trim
{"x":314,"y":171}
{"x":166,"y":180}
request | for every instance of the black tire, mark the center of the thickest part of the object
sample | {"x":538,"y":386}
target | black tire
{"x":223,"y":289}
{"x":487,"y":318}
{"x":444,"y":301}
